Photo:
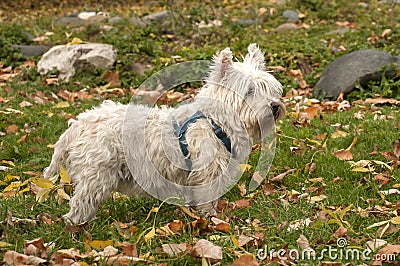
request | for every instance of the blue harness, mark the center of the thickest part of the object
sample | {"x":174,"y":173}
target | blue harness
{"x":180,"y":133}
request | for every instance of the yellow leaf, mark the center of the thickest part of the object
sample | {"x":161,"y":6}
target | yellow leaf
{"x":64,"y":175}
{"x":10,"y":163}
{"x":61,"y":105}
{"x":2,"y":183}
{"x":361,"y":169}
{"x":154,"y":209}
{"x":42,"y":195}
{"x":51,"y":146}
{"x":395,"y":220}
{"x":9,"y":178}
{"x":42,"y":182}
{"x":189,"y":212}
{"x":353,"y":143}
{"x":244,"y":167}
{"x":339,"y":134}
{"x":236,"y":243}
{"x":61,"y":193}
{"x":319,"y":198}
{"x":75,"y":41}
{"x":5,"y":245}
{"x":24,"y":190}
{"x":100,"y":244}
{"x":12,"y":186}
{"x":82,"y":263}
{"x":377,"y":224}
{"x":150,"y":234}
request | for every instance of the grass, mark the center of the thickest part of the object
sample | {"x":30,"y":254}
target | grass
{"x":274,"y":206}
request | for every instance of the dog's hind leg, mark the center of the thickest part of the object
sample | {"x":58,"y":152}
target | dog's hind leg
{"x":90,"y":193}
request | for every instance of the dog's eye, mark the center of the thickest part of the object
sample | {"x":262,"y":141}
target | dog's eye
{"x":250,"y":92}
{"x":275,"y":108}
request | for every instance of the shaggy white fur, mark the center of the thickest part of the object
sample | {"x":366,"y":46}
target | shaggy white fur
{"x":107,"y":148}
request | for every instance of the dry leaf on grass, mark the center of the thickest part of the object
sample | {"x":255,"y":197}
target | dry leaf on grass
{"x":175,"y":249}
{"x":14,"y":258}
{"x":208,"y":250}
{"x":343,"y":155}
{"x":36,"y":248}
{"x":245,"y":260}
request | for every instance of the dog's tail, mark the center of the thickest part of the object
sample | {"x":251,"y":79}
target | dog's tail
{"x":61,"y":149}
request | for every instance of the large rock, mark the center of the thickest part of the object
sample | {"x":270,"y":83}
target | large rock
{"x":31,"y":50}
{"x":67,"y":59}
{"x":359,"y":66}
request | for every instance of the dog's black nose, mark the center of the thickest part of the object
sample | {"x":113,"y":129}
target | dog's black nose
{"x":275,"y":109}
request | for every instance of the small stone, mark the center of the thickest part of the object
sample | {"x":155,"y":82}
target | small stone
{"x":291,"y":15}
{"x":286,"y":27}
{"x":156,"y":17}
{"x":245,"y":22}
{"x":31,"y":50}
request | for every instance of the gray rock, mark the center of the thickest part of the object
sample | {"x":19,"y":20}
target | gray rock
{"x":156,"y":17}
{"x":359,"y":66}
{"x":291,"y":15}
{"x":286,"y":27}
{"x":137,"y":22}
{"x":71,"y":21}
{"x":245,"y":22}
{"x":67,"y":59}
{"x":115,"y":20}
{"x":31,"y":50}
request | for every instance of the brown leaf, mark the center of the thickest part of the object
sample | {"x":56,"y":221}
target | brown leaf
{"x":14,"y":258}
{"x":129,"y":249}
{"x":303,"y":243}
{"x":380,"y":100}
{"x":396,"y":148}
{"x":242,"y":189}
{"x":245,"y":260}
{"x":341,"y":231}
{"x":279,"y":177}
{"x":311,"y":112}
{"x":111,"y":77}
{"x":243,"y":203}
{"x":343,"y":155}
{"x":389,"y":252}
{"x":36,"y":248}
{"x":122,"y":260}
{"x":208,"y":250}
{"x":175,"y":249}
{"x":12,"y":129}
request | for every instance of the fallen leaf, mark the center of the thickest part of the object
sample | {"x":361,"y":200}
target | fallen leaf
{"x":339,"y":134}
{"x":245,"y":260}
{"x":36,"y":248}
{"x":388,"y":254}
{"x":129,"y":249}
{"x":395,"y":220}
{"x":341,"y":231}
{"x":279,"y":177}
{"x":208,"y":250}
{"x":311,"y":112}
{"x":175,"y":249}
{"x":375,"y":244}
{"x":243,"y":203}
{"x":98,"y":244}
{"x":60,"y":105}
{"x":299,"y":224}
{"x":343,"y":155}
{"x":11,"y":129}
{"x":108,"y":251}
{"x":25,"y":104}
{"x":14,"y":258}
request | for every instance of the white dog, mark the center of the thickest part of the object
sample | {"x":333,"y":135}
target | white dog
{"x":137,"y":150}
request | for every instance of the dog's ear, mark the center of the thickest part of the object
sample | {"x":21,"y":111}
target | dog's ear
{"x":221,"y":63}
{"x":255,"y":57}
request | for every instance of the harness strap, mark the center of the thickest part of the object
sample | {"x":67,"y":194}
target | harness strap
{"x":180,"y":133}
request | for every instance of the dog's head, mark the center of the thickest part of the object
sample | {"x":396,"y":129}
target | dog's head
{"x":247,"y":87}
